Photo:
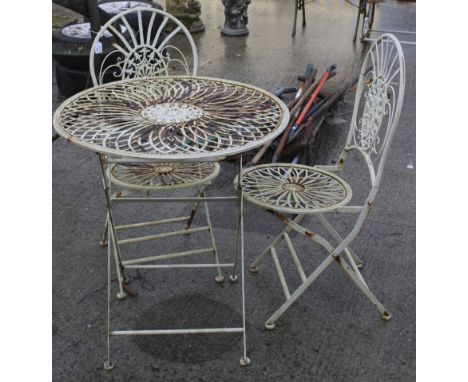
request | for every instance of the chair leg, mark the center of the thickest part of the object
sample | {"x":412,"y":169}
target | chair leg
{"x":270,"y":323}
{"x":352,"y":272}
{"x":260,"y":259}
{"x":385,"y":314}
{"x":338,"y":238}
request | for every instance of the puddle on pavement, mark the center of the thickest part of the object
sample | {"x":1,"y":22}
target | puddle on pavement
{"x":189,"y":311}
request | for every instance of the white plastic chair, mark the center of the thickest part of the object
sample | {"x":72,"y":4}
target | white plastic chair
{"x":149,"y":42}
{"x":316,"y":191}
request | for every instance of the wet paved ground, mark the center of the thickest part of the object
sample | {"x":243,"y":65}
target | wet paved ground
{"x":332,"y":333}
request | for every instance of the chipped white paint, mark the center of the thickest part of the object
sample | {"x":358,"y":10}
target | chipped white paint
{"x":146,"y":49}
{"x":377,"y":108}
{"x":114,"y":118}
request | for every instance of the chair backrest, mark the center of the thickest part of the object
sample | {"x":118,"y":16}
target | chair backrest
{"x":142,"y":42}
{"x":377,"y":106}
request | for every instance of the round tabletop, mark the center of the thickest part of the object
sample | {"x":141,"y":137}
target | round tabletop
{"x":177,"y":118}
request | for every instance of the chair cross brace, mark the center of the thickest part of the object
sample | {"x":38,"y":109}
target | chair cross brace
{"x":334,"y":256}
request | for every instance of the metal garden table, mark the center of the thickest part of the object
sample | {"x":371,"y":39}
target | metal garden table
{"x":171,"y":119}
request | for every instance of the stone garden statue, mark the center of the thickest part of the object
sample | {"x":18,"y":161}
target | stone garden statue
{"x":235,"y":17}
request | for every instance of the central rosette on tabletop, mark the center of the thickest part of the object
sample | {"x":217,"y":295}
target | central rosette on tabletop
{"x":172,"y":112}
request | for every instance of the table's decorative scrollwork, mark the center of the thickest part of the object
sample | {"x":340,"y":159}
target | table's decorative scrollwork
{"x":172,"y":118}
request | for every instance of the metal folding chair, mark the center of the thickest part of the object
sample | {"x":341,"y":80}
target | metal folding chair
{"x":366,"y":9}
{"x":299,"y":5}
{"x":149,"y":42}
{"x":303,"y":190}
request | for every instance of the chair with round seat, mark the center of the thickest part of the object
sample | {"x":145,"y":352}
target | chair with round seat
{"x":149,"y":42}
{"x":316,"y":191}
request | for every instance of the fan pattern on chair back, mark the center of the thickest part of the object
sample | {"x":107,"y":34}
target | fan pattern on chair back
{"x":145,"y":42}
{"x":379,"y":98}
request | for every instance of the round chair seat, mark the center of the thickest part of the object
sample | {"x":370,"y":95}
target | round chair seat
{"x":294,"y":189}
{"x":163,"y":176}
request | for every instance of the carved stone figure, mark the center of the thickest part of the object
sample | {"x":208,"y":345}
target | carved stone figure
{"x":235,"y":13}
{"x":188,"y":12}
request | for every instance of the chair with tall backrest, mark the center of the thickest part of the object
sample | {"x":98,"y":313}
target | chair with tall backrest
{"x":149,"y":42}
{"x":316,"y":191}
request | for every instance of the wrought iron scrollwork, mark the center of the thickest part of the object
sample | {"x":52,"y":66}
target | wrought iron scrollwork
{"x":144,"y":45}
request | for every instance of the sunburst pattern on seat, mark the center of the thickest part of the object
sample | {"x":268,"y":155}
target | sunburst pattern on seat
{"x":294,"y":188}
{"x":157,"y":176}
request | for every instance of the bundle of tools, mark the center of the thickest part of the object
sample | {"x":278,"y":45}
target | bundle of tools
{"x":308,"y":109}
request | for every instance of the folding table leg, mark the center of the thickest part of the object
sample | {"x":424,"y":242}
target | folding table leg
{"x":112,"y":241}
{"x":108,"y":364}
{"x":233,"y":276}
{"x":118,"y":261}
{"x":385,"y":314}
{"x":219,"y":277}
{"x":244,"y":361}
